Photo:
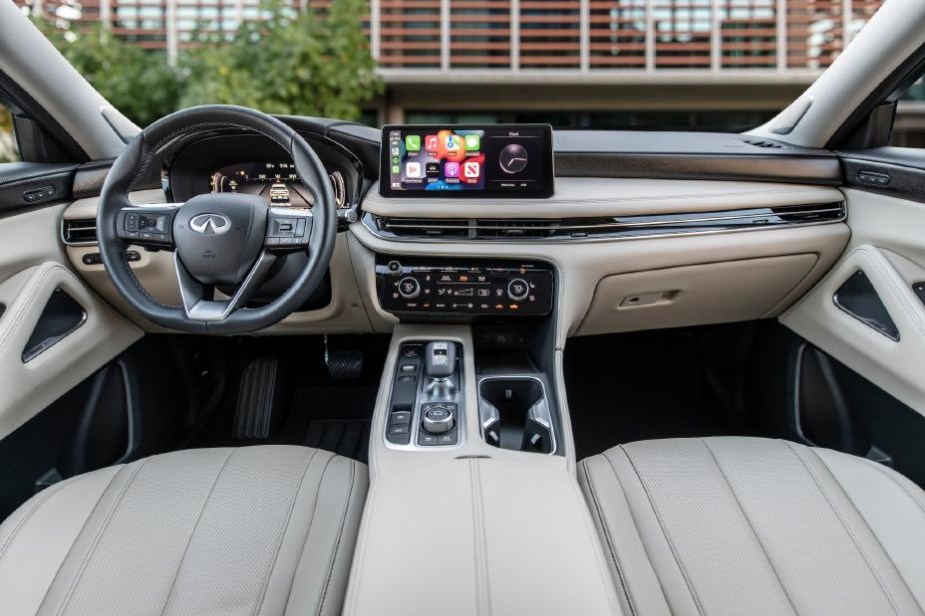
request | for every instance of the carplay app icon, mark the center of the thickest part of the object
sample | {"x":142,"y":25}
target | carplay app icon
{"x":451,"y":170}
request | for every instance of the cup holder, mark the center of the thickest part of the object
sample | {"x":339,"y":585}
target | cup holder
{"x":514,"y":414}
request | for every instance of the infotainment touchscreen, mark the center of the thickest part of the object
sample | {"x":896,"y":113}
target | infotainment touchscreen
{"x":493,"y":160}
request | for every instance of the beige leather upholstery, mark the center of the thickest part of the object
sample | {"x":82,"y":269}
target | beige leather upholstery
{"x":258,"y":530}
{"x":755,"y":526}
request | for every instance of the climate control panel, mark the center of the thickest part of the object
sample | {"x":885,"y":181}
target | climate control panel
{"x":464,"y":287}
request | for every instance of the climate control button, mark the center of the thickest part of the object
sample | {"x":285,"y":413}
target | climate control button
{"x":409,"y":287}
{"x":518,"y":289}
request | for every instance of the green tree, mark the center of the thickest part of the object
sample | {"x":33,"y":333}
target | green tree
{"x":306,"y":63}
{"x":137,"y":82}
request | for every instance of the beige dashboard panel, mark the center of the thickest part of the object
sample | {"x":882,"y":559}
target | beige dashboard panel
{"x":887,"y":245}
{"x":582,"y":265}
{"x":346,"y":313}
{"x":721,"y":292}
{"x":611,"y":197}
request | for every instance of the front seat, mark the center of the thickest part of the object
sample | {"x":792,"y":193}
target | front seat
{"x":257,"y":530}
{"x":752,"y":526}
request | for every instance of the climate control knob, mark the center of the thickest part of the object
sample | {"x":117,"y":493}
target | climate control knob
{"x":437,"y":419}
{"x":518,"y":289}
{"x":409,"y":288}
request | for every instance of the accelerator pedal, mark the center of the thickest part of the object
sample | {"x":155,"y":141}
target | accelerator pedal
{"x":342,"y":364}
{"x":253,"y":413}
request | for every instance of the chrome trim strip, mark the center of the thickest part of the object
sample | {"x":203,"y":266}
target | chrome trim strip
{"x":688,"y":223}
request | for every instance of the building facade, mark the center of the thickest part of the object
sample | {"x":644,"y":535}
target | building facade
{"x":711,"y":64}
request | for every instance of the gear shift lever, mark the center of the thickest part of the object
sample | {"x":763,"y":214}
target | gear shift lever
{"x":439,"y":366}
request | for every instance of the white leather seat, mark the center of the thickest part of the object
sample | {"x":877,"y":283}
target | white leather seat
{"x":258,"y":530}
{"x":754,"y":526}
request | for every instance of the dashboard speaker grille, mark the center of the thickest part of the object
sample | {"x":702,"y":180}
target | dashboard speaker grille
{"x":79,"y":231}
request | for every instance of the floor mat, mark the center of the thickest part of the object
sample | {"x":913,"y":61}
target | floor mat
{"x":639,"y":386}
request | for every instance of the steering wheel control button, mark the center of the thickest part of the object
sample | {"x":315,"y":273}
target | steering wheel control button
{"x":518,"y":289}
{"x":409,"y":287}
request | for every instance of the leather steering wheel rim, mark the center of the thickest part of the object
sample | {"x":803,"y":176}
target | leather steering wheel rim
{"x":132,"y":164}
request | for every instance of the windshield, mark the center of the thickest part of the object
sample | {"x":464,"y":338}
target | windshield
{"x":714,"y":65}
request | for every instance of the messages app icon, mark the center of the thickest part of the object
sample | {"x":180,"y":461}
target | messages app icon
{"x":413,"y":143}
{"x":473,"y":142}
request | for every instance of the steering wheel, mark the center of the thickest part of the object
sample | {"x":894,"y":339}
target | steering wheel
{"x":226,"y":240}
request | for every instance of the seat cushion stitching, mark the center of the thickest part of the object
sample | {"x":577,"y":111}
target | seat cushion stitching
{"x":189,"y":539}
{"x":340,"y":534}
{"x":282,"y":535}
{"x":750,"y":525}
{"x":606,"y":532}
{"x":39,"y":501}
{"x":889,"y":596}
{"x":671,"y":546}
{"x":99,"y":535}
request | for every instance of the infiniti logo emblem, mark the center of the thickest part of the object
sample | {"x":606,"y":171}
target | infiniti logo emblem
{"x":210,"y":224}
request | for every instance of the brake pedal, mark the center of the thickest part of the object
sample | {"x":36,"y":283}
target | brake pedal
{"x":253,"y":413}
{"x":342,"y":364}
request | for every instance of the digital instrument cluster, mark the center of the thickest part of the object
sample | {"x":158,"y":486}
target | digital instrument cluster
{"x":503,"y":160}
{"x":276,"y":181}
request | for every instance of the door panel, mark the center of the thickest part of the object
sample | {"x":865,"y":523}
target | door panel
{"x":33,"y":266}
{"x":888,"y":245}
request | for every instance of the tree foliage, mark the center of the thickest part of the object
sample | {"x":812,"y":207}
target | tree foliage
{"x":137,"y":82}
{"x":304,"y":63}
{"x":293,"y":62}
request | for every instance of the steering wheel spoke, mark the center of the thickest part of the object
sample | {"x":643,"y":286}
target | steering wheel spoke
{"x":288,"y":229}
{"x":197,"y":301}
{"x":147,"y":225}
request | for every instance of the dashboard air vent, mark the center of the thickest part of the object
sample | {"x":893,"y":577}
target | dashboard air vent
{"x":515,"y":228}
{"x":425,"y":227}
{"x":761,"y":143}
{"x":79,"y":231}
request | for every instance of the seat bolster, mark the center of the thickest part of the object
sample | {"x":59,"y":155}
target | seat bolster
{"x":607,"y":494}
{"x":37,"y":537}
{"x":892,"y":507}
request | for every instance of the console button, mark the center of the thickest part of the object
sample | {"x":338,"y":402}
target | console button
{"x":409,"y":288}
{"x":427,"y":440}
{"x":447,"y":439}
{"x":518,"y":289}
{"x":400,"y":418}
{"x":399,"y":429}
{"x":437,"y":419}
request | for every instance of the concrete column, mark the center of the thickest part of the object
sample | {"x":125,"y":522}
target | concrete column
{"x":105,"y":13}
{"x":716,"y":36}
{"x":375,"y":31}
{"x":584,"y":31}
{"x":650,"y":38}
{"x":515,"y":35}
{"x":444,"y":35}
{"x":781,"y":35}
{"x":173,"y":42}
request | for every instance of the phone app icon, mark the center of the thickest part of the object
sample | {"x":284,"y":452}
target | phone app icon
{"x":453,"y":143}
{"x":471,"y":169}
{"x":473,"y":142}
{"x":413,"y":169}
{"x":396,"y":169}
{"x":451,"y":170}
{"x":413,"y":143}
{"x":431,"y":143}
